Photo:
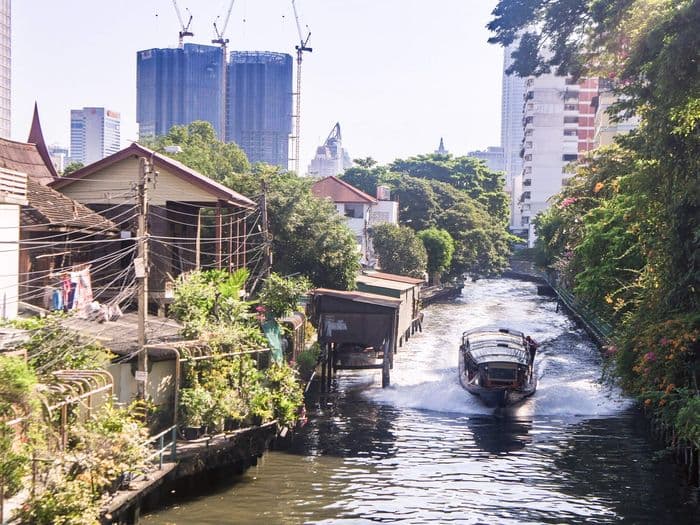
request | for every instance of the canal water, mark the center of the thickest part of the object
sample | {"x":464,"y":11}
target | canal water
{"x":425,"y":451}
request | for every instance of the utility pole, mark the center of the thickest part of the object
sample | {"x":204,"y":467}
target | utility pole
{"x":266,"y":235}
{"x":141,"y":271}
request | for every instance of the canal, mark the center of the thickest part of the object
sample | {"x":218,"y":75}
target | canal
{"x":425,"y":451}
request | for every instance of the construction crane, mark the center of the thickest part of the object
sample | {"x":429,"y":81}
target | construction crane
{"x":184,"y":29}
{"x":220,"y":34}
{"x":222,"y":41}
{"x":297,"y":117}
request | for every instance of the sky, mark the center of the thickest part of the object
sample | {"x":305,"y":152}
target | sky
{"x":396,"y":74}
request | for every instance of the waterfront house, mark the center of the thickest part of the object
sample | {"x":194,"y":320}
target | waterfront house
{"x":55,"y":233}
{"x":193,"y":221}
{"x":361,"y":211}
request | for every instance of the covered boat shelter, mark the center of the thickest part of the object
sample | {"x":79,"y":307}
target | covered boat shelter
{"x":400,"y":287}
{"x":354,"y":318}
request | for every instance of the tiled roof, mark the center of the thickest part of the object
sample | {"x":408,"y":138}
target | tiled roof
{"x":50,"y":209}
{"x":340,"y":191}
{"x":25,"y":158}
{"x":215,"y":189}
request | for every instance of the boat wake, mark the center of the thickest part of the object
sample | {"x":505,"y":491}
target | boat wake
{"x":568,"y":363}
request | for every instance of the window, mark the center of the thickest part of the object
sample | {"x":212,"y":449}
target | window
{"x":570,"y":107}
{"x":570,"y":132}
{"x":569,"y":157}
{"x":524,"y":221}
{"x":570,"y":120}
{"x":527,"y":182}
{"x":353,"y":211}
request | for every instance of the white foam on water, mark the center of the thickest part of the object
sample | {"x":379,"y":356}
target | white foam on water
{"x":569,"y":365}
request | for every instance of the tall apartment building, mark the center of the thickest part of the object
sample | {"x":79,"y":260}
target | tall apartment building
{"x":605,"y":127}
{"x":177,"y":86}
{"x":558,"y":126}
{"x":259,"y":105}
{"x":5,"y":67}
{"x":331,"y":158}
{"x":95,"y":133}
{"x":493,"y":156}
{"x":513,"y":91}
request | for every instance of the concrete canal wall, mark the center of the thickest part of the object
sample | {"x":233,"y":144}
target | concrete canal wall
{"x":196,"y":464}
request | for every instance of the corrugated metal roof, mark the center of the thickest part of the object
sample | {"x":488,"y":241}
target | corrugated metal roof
{"x":340,"y":191}
{"x":360,"y":297}
{"x":394,"y":277}
{"x":384,"y":283}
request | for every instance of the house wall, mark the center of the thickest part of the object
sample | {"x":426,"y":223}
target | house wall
{"x":9,"y":260}
{"x":111,"y":185}
{"x":161,"y":383}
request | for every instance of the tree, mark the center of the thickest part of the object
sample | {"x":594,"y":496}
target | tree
{"x":399,"y":250}
{"x":463,"y":173}
{"x":202,"y":151}
{"x":309,"y":236}
{"x":72,"y":167}
{"x":440,"y":248}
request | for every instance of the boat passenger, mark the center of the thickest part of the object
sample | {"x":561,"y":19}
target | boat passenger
{"x":532,"y":347}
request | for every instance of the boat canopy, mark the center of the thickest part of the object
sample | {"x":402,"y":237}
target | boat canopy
{"x":488,"y":353}
{"x":491,"y":344}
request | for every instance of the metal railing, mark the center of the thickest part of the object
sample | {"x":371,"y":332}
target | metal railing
{"x":163,"y":446}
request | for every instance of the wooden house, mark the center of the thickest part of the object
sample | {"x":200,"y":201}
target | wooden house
{"x":193,"y":221}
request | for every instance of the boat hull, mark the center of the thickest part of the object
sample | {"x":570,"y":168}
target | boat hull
{"x":499,"y":397}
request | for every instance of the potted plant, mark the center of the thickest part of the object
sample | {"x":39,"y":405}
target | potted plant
{"x":195,"y":405}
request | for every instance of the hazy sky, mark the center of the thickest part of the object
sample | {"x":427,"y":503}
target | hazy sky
{"x":396,"y":74}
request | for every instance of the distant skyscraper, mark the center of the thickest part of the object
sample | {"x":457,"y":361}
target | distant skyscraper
{"x":177,"y":86}
{"x":259,"y":105}
{"x":513,"y":91}
{"x":331,"y":159}
{"x":493,"y":156}
{"x":94,"y":134}
{"x":5,"y":69}
{"x":59,"y":156}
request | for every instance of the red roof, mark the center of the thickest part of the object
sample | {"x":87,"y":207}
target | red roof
{"x":217,"y":190}
{"x":340,"y":191}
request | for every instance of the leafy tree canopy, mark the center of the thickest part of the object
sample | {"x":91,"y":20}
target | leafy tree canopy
{"x":202,"y":151}
{"x":440,"y":248}
{"x":399,"y":250}
{"x":308,"y":235}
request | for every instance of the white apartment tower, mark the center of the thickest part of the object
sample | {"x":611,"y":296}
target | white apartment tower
{"x":94,"y":134}
{"x":513,"y":90}
{"x":5,"y":67}
{"x":558,"y":126}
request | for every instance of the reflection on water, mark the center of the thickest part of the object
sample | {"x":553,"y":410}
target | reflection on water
{"x":424,"y":450}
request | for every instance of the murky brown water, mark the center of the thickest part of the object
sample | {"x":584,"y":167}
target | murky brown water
{"x":425,"y":451}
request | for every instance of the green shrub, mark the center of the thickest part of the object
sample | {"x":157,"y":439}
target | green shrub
{"x":280,"y":296}
{"x":307,"y":360}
